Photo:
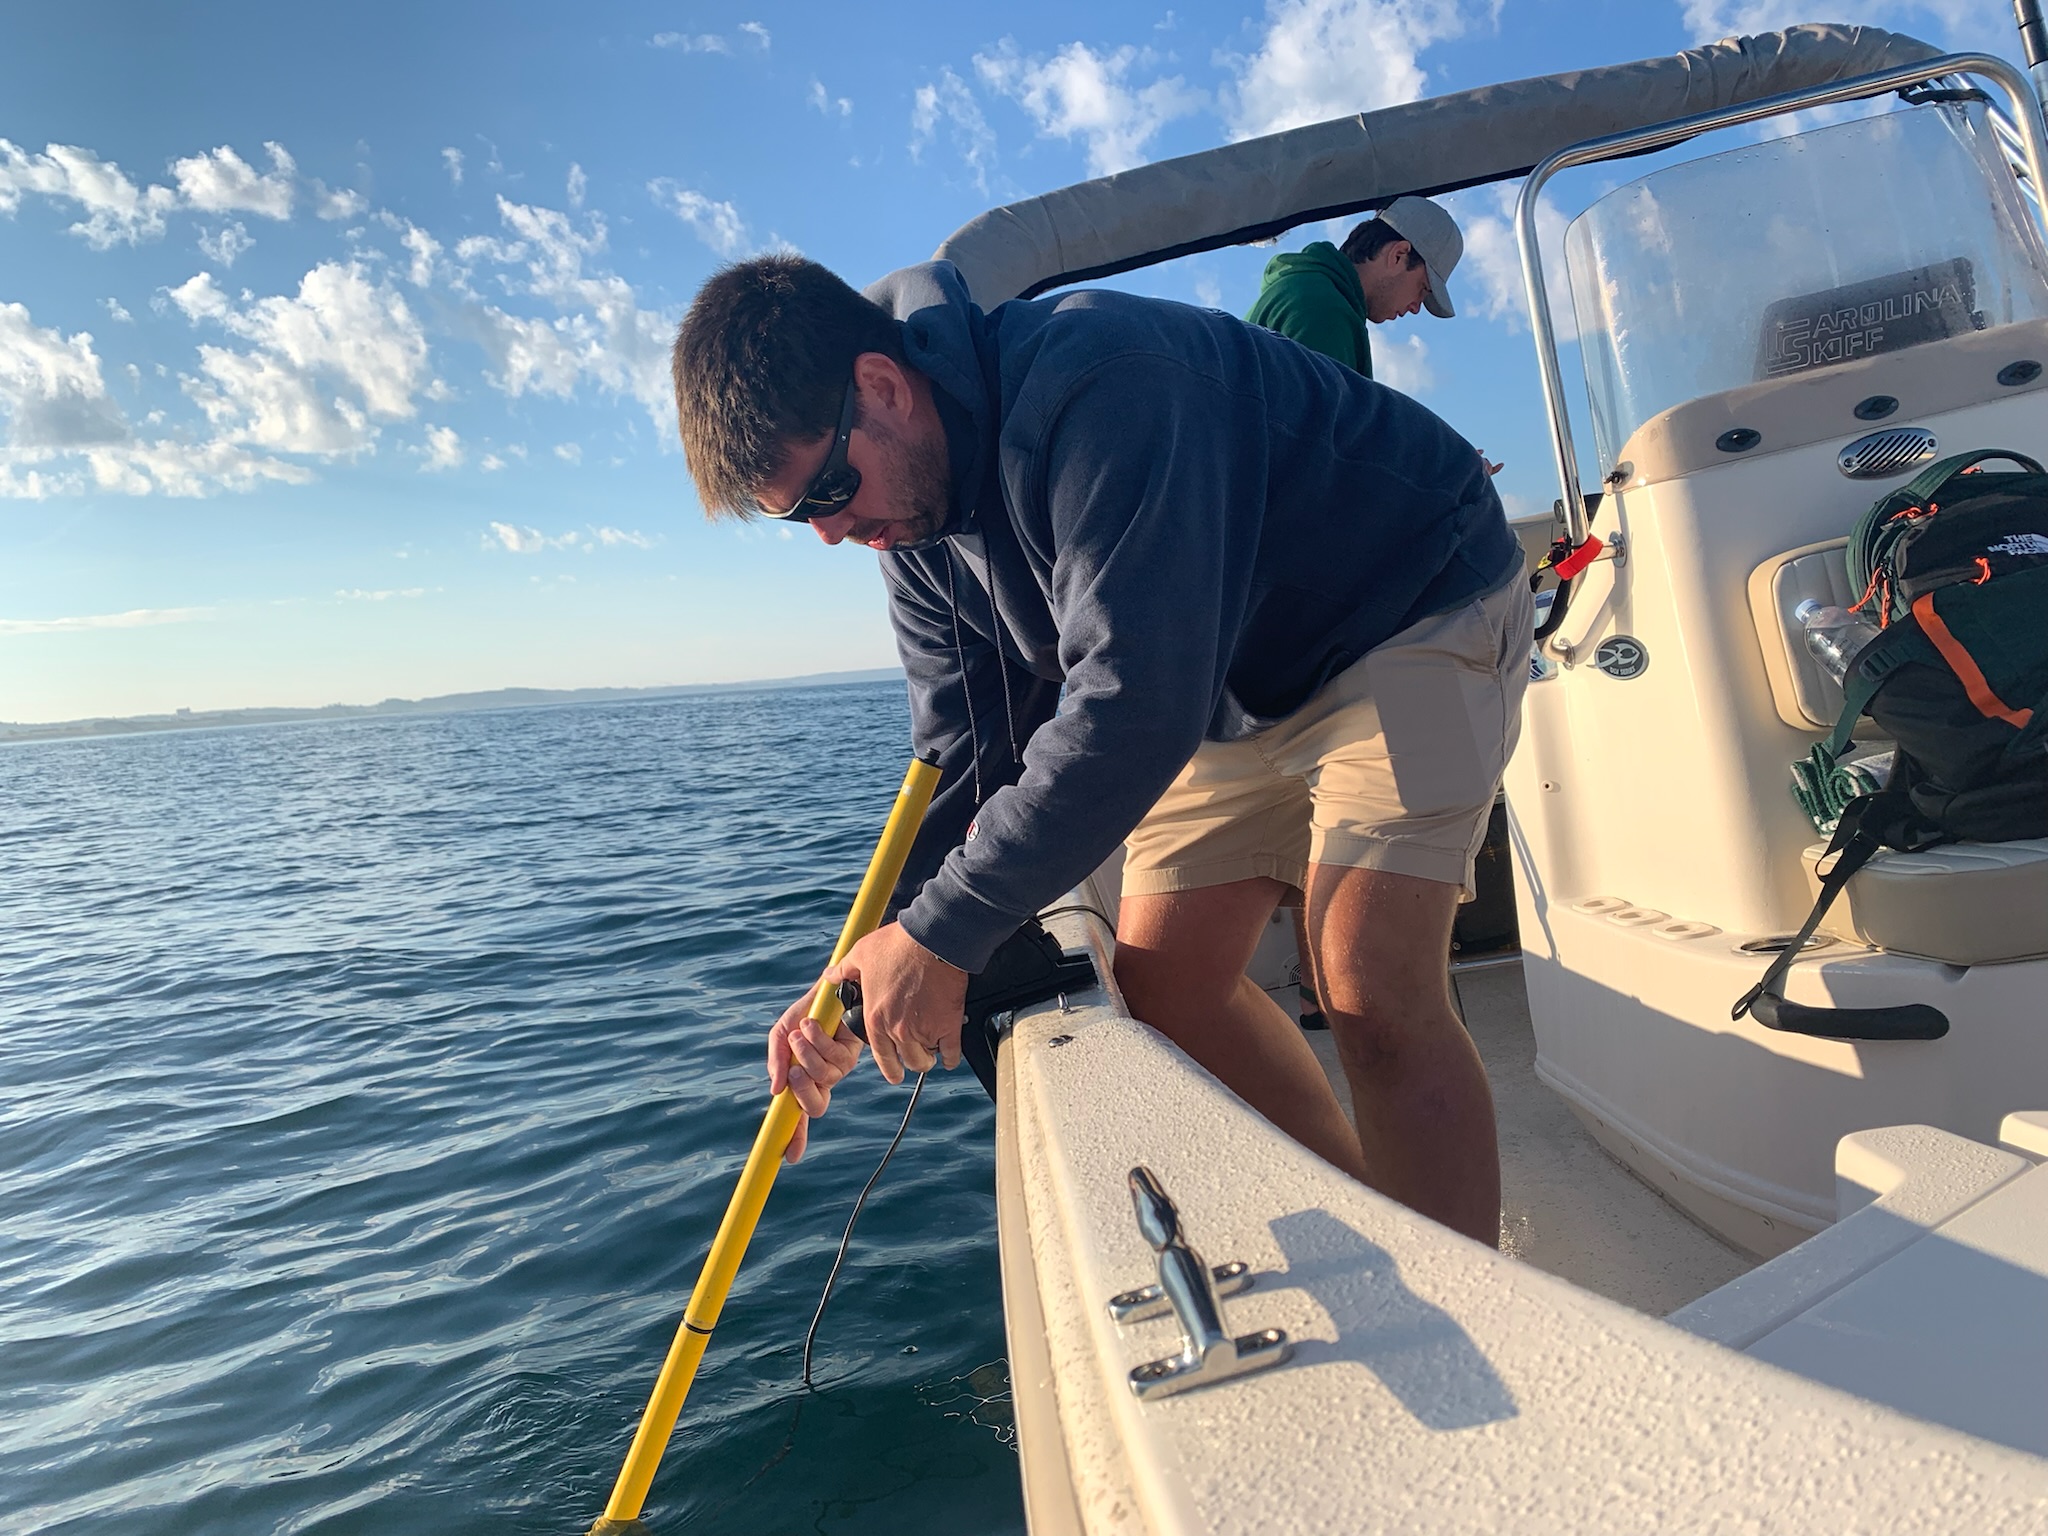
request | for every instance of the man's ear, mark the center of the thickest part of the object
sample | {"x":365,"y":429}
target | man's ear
{"x":885,"y":387}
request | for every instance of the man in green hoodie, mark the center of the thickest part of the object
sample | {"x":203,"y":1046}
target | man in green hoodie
{"x":1323,"y":295}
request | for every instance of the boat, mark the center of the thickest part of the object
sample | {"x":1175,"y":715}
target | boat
{"x":1751,"y":1278}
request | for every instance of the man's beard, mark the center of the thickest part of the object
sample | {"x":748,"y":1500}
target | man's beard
{"x":924,"y":471}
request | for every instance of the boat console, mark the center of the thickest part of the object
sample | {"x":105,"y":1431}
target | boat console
{"x":1771,"y":337}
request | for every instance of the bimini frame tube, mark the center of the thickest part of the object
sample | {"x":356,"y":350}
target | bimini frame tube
{"x":2026,"y":112}
{"x":744,"y":1211}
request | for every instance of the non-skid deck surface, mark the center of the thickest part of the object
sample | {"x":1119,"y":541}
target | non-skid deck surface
{"x":1566,"y":1206}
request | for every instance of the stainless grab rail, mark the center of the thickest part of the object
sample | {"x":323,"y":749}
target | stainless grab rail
{"x":2026,"y":113}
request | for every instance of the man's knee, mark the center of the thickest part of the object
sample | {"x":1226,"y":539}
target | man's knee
{"x":1383,"y":1014}
{"x":1190,"y":942}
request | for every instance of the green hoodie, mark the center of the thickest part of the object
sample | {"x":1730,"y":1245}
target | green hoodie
{"x":1312,"y":296}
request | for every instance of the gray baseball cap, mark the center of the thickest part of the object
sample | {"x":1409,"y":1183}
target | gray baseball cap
{"x":1434,"y":234}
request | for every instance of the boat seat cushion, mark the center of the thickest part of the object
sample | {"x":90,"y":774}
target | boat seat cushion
{"x":1960,"y":903}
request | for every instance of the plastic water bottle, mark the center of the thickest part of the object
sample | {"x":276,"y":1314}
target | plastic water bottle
{"x":1834,"y":636}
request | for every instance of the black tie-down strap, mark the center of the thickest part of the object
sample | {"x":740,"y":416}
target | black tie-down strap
{"x":1858,"y":836}
{"x":1028,"y":967}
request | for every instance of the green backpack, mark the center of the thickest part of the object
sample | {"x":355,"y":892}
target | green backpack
{"x":1954,"y":568}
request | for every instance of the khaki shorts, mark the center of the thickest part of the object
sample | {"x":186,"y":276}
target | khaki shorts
{"x":1393,"y":764}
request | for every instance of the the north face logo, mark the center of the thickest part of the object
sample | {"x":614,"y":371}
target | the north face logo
{"x":2020,"y":544}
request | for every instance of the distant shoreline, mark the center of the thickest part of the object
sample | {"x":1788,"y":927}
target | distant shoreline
{"x":443,"y":704}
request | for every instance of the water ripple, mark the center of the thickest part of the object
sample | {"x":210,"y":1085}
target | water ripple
{"x":369,"y":1092}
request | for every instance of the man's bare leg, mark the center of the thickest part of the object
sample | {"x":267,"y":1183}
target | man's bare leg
{"x":1180,"y":961}
{"x":1425,"y":1113}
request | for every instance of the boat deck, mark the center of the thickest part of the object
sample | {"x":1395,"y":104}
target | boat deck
{"x":1567,"y":1207}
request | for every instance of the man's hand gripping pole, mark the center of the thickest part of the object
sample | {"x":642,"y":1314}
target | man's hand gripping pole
{"x":777,"y":1126}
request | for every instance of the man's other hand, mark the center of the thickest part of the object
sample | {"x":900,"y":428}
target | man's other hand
{"x":1491,"y":467}
{"x":809,"y":1063}
{"x":912,"y":1002}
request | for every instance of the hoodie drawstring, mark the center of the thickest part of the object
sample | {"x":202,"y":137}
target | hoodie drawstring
{"x":966,"y":689}
{"x":966,"y":692}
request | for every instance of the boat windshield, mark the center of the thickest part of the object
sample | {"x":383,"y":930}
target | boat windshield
{"x":1794,"y":254}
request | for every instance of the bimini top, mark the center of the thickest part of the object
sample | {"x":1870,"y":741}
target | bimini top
{"x":1260,"y":187}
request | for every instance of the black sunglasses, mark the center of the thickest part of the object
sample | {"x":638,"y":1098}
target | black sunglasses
{"x":836,"y":482}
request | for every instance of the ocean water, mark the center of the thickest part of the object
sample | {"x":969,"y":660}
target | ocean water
{"x":370,"y":1092}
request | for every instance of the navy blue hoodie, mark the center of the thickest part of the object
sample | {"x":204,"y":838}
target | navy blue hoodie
{"x":1190,"y":522}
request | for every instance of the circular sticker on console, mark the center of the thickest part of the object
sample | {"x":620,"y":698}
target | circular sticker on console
{"x":1622,"y":657}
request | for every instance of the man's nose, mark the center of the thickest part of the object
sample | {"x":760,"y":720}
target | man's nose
{"x":833,"y":529}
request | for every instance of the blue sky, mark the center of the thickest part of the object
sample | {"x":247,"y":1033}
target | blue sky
{"x":332,"y":347}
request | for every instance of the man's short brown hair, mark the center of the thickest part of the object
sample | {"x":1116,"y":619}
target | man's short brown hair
{"x":761,"y":362}
{"x":1372,"y":237}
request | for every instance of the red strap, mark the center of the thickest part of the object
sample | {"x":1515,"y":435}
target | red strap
{"x":1579,"y":558}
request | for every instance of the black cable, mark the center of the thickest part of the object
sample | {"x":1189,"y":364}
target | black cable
{"x":1078,"y":906}
{"x":846,"y":1241}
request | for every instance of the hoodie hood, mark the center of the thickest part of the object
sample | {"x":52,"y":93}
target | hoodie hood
{"x":1320,"y":260}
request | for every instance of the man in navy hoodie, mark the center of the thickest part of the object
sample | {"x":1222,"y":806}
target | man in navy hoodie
{"x":1284,"y":606}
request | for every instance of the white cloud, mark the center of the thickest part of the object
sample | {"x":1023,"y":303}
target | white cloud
{"x":226,"y":243}
{"x":115,"y":310}
{"x":569,"y":453}
{"x":1985,"y":23}
{"x":221,"y":181}
{"x":578,"y":184}
{"x":71,"y":441}
{"x":336,"y":203}
{"x":424,"y":249}
{"x":826,"y":102}
{"x":532,"y":354}
{"x":1208,"y":293}
{"x":443,"y":451}
{"x":115,"y":209}
{"x":1081,"y":92}
{"x":1488,"y":282}
{"x":599,"y":330}
{"x":684,"y":42}
{"x":717,"y":224}
{"x":1322,"y":59}
{"x":518,"y":540}
{"x":176,"y":468}
{"x":200,"y":297}
{"x":134,"y":618}
{"x":51,"y":389}
{"x":756,"y":31}
{"x":950,"y":100}
{"x":321,"y":367}
{"x":452,"y":159}
{"x":490,"y":463}
{"x":1404,"y":365}
{"x":360,"y":595}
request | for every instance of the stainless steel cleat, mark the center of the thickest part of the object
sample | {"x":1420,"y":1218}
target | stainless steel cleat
{"x":1191,"y":1290}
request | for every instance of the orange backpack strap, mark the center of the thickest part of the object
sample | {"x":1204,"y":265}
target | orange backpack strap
{"x":1964,"y":665}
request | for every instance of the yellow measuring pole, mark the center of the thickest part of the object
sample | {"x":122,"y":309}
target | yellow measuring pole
{"x":730,"y":1246}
